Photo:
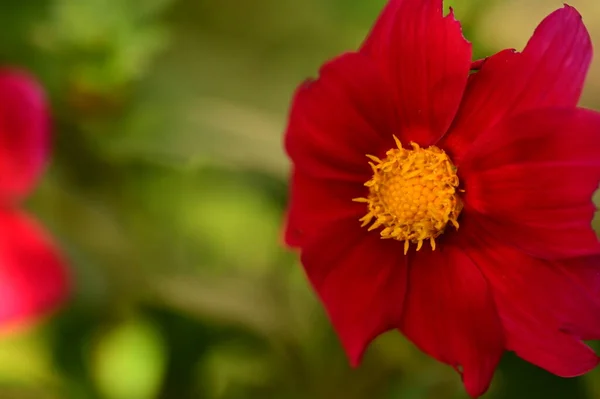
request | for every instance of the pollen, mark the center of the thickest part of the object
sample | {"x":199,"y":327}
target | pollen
{"x":413,"y":195}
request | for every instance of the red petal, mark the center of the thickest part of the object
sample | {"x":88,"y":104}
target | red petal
{"x":377,"y":42}
{"x":477,"y":64}
{"x":564,"y":294}
{"x":584,"y":274}
{"x":33,"y":276}
{"x":316,"y":203}
{"x":339,"y":118}
{"x":478,"y":109}
{"x":549,"y":73}
{"x":449,"y":314}
{"x":540,"y":303}
{"x":24,"y":133}
{"x":534,"y":176}
{"x":361,"y":280}
{"x":427,"y":61}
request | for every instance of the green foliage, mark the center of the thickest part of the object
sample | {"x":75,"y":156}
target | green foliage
{"x":134,"y":349}
{"x":104,"y":43}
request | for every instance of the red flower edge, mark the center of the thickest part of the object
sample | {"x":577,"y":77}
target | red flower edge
{"x":33,"y":274}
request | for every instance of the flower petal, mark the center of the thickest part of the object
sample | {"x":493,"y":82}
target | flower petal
{"x":550,"y":72}
{"x":540,"y":303}
{"x":24,"y":133}
{"x":316,"y":203}
{"x":478,"y":106}
{"x":584,"y":275}
{"x":361,"y":280}
{"x":449,"y":314}
{"x":563,"y":294}
{"x":426,"y":60}
{"x":533,"y":176}
{"x":339,"y":118}
{"x":33,"y":275}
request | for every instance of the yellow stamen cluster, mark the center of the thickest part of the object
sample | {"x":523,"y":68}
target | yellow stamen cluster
{"x":412,"y":195}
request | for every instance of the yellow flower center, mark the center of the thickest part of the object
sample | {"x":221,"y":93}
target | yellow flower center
{"x":412,"y":195}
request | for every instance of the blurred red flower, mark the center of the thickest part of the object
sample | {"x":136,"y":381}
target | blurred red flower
{"x":33,"y":275}
{"x":479,"y":182}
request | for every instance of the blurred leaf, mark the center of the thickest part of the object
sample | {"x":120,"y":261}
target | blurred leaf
{"x":233,"y":370}
{"x":519,"y":379}
{"x":202,"y":132}
{"x":129,"y":361}
{"x":104,"y":44}
{"x":25,"y":359}
{"x":26,"y":393}
{"x":243,"y":301}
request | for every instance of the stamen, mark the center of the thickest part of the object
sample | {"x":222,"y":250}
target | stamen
{"x":413,"y":195}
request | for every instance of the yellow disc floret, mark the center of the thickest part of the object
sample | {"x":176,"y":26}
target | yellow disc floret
{"x":413,"y":194}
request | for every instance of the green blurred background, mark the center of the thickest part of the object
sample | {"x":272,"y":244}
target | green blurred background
{"x":167,"y":189}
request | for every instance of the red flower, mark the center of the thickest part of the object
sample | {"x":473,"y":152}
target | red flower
{"x":483,"y":201}
{"x":33,"y":277}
